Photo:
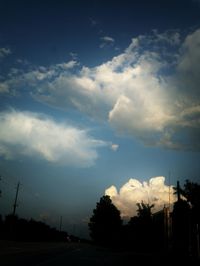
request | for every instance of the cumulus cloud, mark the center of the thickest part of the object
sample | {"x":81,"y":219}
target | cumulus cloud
{"x":149,"y":91}
{"x":4,"y":52}
{"x":188,"y":64}
{"x":31,"y":134}
{"x":153,"y":192}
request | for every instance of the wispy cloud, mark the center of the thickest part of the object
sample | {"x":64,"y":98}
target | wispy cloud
{"x":4,"y":87}
{"x":74,"y":56}
{"x":93,"y":22}
{"x":172,"y":37}
{"x":114,"y":147}
{"x":31,"y":134}
{"x":106,"y":41}
{"x":153,"y":191}
{"x":18,"y":78}
{"x":4,"y":52}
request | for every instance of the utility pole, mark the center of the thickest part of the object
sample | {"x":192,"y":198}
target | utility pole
{"x":169,"y":190}
{"x":16,"y":197}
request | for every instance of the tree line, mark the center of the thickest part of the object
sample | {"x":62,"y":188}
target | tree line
{"x":14,"y":228}
{"x":175,"y":231}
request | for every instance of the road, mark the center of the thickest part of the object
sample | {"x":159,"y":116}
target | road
{"x":73,"y":254}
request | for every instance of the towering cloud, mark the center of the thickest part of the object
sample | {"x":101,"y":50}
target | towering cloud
{"x":153,"y":192}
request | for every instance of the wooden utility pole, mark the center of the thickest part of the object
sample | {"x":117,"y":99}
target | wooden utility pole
{"x":169,"y":191}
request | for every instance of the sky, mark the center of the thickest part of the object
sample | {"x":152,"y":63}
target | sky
{"x":97,"y":97}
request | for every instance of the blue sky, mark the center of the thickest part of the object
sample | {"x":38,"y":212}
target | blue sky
{"x":94,"y":95}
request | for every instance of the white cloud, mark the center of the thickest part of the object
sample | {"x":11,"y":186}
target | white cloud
{"x":30,"y":134}
{"x":17,"y":79}
{"x":114,"y":147}
{"x":101,"y":90}
{"x":42,"y":74}
{"x":68,"y":65}
{"x":149,"y":92}
{"x":106,"y":41}
{"x":153,"y":192}
{"x":172,"y":37}
{"x":189,"y":66}
{"x":4,"y":52}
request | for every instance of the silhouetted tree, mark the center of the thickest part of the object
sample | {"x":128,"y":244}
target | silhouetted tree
{"x":141,"y":228}
{"x":180,"y":226}
{"x":188,"y":219}
{"x":105,"y":223}
{"x":16,"y":228}
{"x":144,"y":211}
{"x":191,"y":192}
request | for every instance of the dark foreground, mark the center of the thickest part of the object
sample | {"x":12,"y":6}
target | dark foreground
{"x":60,"y":254}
